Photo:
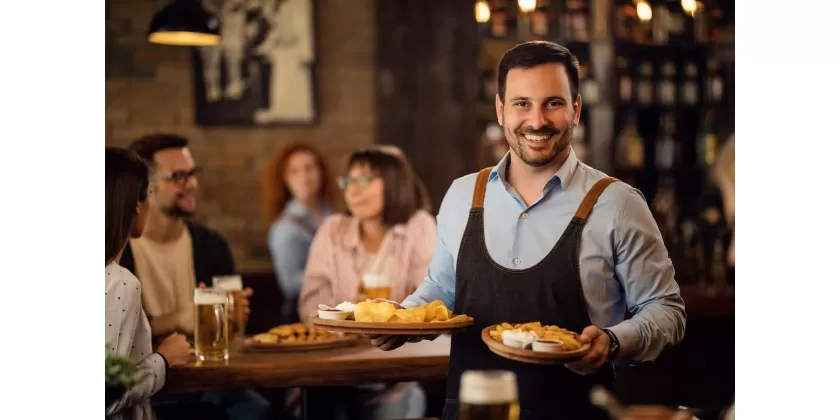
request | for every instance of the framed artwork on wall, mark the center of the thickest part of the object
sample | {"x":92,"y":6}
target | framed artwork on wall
{"x":263,"y":70}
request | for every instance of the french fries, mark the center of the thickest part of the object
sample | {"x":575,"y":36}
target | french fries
{"x":551,"y":332}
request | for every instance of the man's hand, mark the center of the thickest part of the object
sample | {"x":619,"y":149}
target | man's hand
{"x":391,"y":342}
{"x":175,"y":349}
{"x":246,"y":301}
{"x":599,"y":343}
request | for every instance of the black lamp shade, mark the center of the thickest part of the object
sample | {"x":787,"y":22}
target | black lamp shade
{"x":184,"y":22}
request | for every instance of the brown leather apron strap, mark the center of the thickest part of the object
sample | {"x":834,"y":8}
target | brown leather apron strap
{"x":480,"y":188}
{"x":592,"y":197}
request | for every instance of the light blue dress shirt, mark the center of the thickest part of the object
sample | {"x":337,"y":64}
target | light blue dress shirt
{"x":623,"y":260}
{"x":289,"y":242}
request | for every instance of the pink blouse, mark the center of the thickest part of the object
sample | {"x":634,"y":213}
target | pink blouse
{"x":338,"y":260}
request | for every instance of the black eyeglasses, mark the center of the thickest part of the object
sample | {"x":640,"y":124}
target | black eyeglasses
{"x":180,"y":177}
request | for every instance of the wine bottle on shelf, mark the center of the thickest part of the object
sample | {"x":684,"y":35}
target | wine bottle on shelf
{"x":707,"y":141}
{"x":718,"y":271}
{"x":579,"y":19}
{"x":714,"y":82}
{"x":667,"y":148}
{"x":539,"y":22}
{"x":644,"y":84}
{"x":688,"y":251}
{"x":665,"y":211}
{"x":588,"y":85}
{"x":667,"y":85}
{"x":630,"y":146}
{"x":498,"y":20}
{"x":626,"y":22}
{"x":579,"y":143}
{"x":625,"y":81}
{"x":689,"y":94}
{"x":701,"y":24}
{"x":661,"y":24}
{"x":676,"y":22}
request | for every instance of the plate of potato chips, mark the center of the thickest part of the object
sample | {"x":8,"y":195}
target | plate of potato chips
{"x":298,"y":337}
{"x":372,"y":317}
{"x":532,"y":342}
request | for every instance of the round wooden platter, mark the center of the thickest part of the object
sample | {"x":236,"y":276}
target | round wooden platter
{"x":391,"y":328}
{"x":340,"y":341}
{"x":530,"y":356}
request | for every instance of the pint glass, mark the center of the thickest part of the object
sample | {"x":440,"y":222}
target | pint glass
{"x":488,"y":395}
{"x":211,"y":326}
{"x":232,"y":285}
{"x":376,"y":286}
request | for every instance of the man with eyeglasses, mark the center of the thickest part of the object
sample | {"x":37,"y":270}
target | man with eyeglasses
{"x":176,"y":254}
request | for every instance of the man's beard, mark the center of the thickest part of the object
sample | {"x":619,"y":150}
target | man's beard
{"x":177,"y":212}
{"x":558,"y":147}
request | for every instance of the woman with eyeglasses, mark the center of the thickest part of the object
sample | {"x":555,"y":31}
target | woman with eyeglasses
{"x":127,"y":330}
{"x":297,"y":196}
{"x":381,"y":249}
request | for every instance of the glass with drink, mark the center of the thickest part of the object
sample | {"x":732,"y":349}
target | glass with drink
{"x":488,"y":395}
{"x":211,"y":325}
{"x":232,"y":285}
{"x":376,"y":286}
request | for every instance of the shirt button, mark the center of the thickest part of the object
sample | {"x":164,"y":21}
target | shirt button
{"x":516,"y":261}
{"x":524,"y":215}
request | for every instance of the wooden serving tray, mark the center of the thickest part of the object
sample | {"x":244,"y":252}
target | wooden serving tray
{"x":253,"y":345}
{"x":530,"y":356}
{"x":390,"y":328}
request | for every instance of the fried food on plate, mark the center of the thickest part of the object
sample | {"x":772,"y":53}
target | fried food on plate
{"x":370,"y":311}
{"x":546,"y":332}
{"x":294,"y":333}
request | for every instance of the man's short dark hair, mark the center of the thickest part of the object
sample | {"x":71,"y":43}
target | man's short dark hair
{"x":148,"y":145}
{"x":535,"y":53}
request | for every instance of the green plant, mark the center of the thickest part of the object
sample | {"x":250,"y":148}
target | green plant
{"x":120,"y":375}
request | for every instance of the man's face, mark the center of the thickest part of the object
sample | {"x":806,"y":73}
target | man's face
{"x":539,"y":113}
{"x":175,"y":183}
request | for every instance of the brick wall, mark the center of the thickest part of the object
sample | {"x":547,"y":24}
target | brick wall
{"x":150,"y":88}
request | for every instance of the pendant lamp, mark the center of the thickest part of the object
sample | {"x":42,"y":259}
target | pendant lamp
{"x":186,"y":23}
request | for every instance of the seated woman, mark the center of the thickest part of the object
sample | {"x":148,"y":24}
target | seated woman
{"x":297,"y":196}
{"x":127,"y":330}
{"x":381,"y":249}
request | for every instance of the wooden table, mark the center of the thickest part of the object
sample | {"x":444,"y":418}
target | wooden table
{"x":356,"y":365}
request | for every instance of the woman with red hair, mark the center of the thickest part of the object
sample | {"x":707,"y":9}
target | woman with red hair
{"x":297,"y":192}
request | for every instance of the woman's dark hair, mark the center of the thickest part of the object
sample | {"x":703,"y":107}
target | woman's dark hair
{"x":404,"y":193}
{"x":276,"y":193}
{"x":126,"y":184}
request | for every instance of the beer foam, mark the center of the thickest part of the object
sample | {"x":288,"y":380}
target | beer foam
{"x":488,"y":387}
{"x":228,"y":283}
{"x":209,"y":297}
{"x":375,"y":280}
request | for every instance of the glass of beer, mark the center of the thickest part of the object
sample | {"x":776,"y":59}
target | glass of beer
{"x":376,"y":286}
{"x":211,"y":325}
{"x":232,"y":285}
{"x":488,"y":395}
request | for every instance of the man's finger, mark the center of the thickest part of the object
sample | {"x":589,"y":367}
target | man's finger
{"x":589,"y":334}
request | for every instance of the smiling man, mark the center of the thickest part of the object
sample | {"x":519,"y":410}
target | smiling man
{"x":543,"y":237}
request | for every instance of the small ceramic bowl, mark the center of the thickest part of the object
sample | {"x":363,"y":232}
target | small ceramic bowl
{"x":516,"y":339}
{"x":547,"y":346}
{"x":333,"y":314}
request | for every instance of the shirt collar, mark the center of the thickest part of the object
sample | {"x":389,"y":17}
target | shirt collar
{"x":353,"y":238}
{"x":563,"y":176}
